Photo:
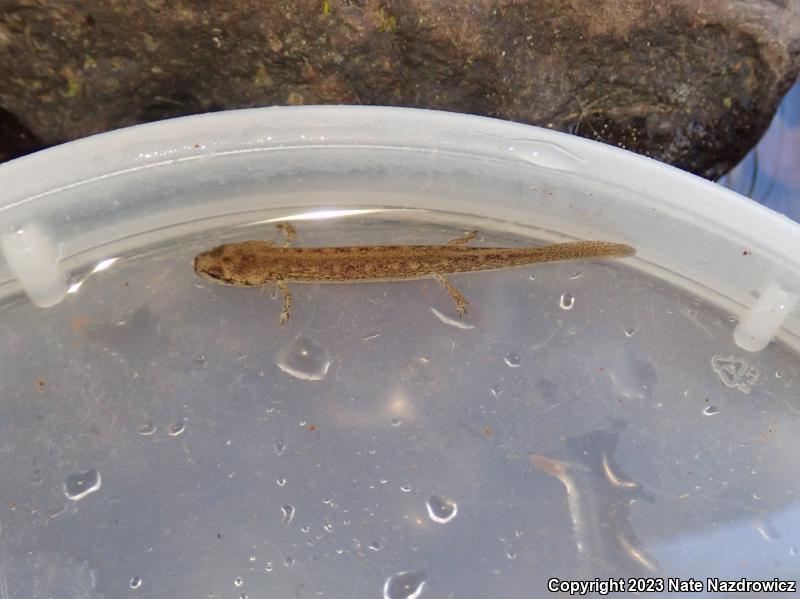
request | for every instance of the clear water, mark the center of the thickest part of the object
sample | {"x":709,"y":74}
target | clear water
{"x":583,"y":420}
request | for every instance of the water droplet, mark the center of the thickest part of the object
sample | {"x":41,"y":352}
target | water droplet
{"x":778,"y":374}
{"x":238,"y":581}
{"x":305,"y":528}
{"x":567,"y":301}
{"x":710,"y":410}
{"x":519,"y":532}
{"x":513,"y":360}
{"x":756,"y":496}
{"x":511,"y":554}
{"x":146,"y":428}
{"x":268,"y":567}
{"x":280,"y":481}
{"x":794,"y":551}
{"x":532,"y":277}
{"x":441,"y":509}
{"x":135,"y":582}
{"x":289,"y":561}
{"x":630,"y":332}
{"x":304,"y":359}
{"x":383,"y":481}
{"x":576,"y":275}
{"x":328,"y":527}
{"x":176,"y":428}
{"x":280,"y":447}
{"x":396,"y":422}
{"x":405,"y":488}
{"x":375,"y":546}
{"x":252,"y":558}
{"x":288,"y":514}
{"x":79,"y":485}
{"x":356,"y":544}
{"x":404,"y":585}
{"x":496,"y":390}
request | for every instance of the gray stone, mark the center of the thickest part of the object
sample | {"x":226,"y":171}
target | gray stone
{"x":691,"y":82}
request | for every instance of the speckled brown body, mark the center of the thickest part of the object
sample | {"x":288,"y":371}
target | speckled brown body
{"x":251,"y":263}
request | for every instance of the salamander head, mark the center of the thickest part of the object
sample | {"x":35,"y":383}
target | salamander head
{"x":241,"y":264}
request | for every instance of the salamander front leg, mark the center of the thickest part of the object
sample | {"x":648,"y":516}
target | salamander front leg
{"x":288,"y":233}
{"x":464,"y":239}
{"x":454,"y":293}
{"x":287,"y":302}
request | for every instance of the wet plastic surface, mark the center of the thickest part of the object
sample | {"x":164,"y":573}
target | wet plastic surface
{"x":162,"y":436}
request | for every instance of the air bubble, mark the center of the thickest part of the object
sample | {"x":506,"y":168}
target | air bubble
{"x":304,"y":359}
{"x":176,"y":428}
{"x":512,"y":359}
{"x":280,"y":447}
{"x":135,"y":582}
{"x":146,"y":428}
{"x":404,"y":585}
{"x":567,"y":301}
{"x":288,"y":514}
{"x":441,"y":509}
{"x":710,"y":410}
{"x":79,"y":485}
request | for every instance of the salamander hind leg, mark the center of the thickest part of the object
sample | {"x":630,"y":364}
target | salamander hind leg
{"x":286,"y":313}
{"x":288,"y":233}
{"x":464,"y":239}
{"x":461,"y":301}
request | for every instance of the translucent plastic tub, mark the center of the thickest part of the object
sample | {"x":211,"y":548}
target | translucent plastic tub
{"x":161,"y":436}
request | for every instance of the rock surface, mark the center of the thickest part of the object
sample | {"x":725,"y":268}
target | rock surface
{"x":691,"y":82}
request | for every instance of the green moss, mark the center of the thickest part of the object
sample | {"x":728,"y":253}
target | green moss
{"x":73,"y":82}
{"x":387,"y":22}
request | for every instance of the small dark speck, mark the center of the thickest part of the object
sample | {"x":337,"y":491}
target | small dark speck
{"x":219,"y":535}
{"x":40,"y":384}
{"x":746,"y":253}
{"x":312,"y":427}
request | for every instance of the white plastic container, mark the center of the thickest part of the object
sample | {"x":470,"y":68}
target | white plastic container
{"x":163,"y":437}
